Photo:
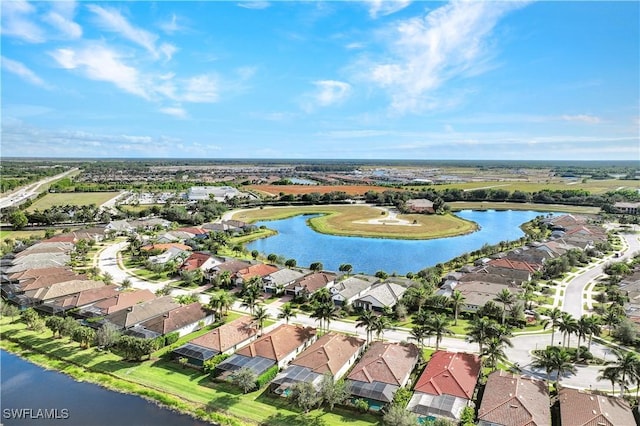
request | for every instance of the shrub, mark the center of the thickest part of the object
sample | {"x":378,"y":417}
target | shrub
{"x":267,"y":376}
{"x":211,"y":364}
{"x":171,"y":338}
{"x":361,"y":405}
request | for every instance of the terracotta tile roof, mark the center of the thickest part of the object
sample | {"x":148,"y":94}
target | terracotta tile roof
{"x":123,"y":300}
{"x":279,"y":343}
{"x":513,"y":400}
{"x":314,"y":282}
{"x":232,"y":266}
{"x":62,"y":238}
{"x":450,"y":373}
{"x":176,"y":318}
{"x":36,"y":272}
{"x":195,"y":261}
{"x":47,"y":280}
{"x":329,"y":353}
{"x":141,"y":312}
{"x":87,"y":296}
{"x":386,"y":363}
{"x":580,"y":408}
{"x":228,"y":335}
{"x":167,"y":246}
{"x":514,"y":264}
{"x":57,"y":290}
{"x":193,"y":230}
{"x":258,"y":270}
{"x":43,"y":248}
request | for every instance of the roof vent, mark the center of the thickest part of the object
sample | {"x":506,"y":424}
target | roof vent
{"x":513,"y":406}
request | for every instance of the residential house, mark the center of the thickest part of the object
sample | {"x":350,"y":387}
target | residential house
{"x":277,"y":281}
{"x":627,"y":208}
{"x":136,"y":314}
{"x":195,"y":231}
{"x":277,"y":347}
{"x":518,"y":270}
{"x":309,"y":284}
{"x":383,"y":369}
{"x":513,"y":400}
{"x":151,"y":223}
{"x":182,"y":320}
{"x":78,"y":300}
{"x":332,"y":353}
{"x":380,"y":296}
{"x":477,"y":293}
{"x":13,"y":290}
{"x":420,"y":205}
{"x":582,"y":408}
{"x":223,"y":340}
{"x":120,"y":227}
{"x":122,"y":300}
{"x":260,"y":270}
{"x":34,"y":261}
{"x":162,"y":247}
{"x":202,"y":261}
{"x":346,"y":291}
{"x":446,"y":386}
{"x":57,"y":290}
{"x":172,"y":254}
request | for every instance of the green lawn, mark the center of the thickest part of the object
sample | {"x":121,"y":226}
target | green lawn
{"x":72,"y":198}
{"x":185,"y":389}
{"x":466,"y":205}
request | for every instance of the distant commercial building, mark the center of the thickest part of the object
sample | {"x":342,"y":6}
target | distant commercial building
{"x":219,"y":193}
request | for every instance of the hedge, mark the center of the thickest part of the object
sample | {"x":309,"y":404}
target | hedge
{"x":267,"y":376}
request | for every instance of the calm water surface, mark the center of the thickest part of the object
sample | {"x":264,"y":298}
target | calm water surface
{"x":27,"y":386}
{"x":297,"y":240}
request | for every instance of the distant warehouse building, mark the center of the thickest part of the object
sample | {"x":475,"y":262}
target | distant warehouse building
{"x":628,"y":208}
{"x":219,"y":193}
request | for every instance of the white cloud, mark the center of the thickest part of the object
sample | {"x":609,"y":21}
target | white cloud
{"x":582,"y":118}
{"x":386,"y":7}
{"x":112,"y":20}
{"x":255,"y":4}
{"x":61,"y":18}
{"x":21,"y":70}
{"x":171,"y":26}
{"x":330,"y":92}
{"x":101,"y":63}
{"x":16,"y":22}
{"x":424,"y":53}
{"x":177,"y":112}
{"x":202,"y":88}
{"x":355,"y":45}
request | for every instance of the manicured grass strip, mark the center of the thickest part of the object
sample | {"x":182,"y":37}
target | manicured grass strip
{"x":351,"y":221}
{"x":184,"y":389}
{"x":72,"y":198}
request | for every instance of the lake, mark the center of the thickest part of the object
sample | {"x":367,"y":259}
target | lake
{"x":44,"y":397}
{"x":298,"y":241}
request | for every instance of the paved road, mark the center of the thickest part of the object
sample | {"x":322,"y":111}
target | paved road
{"x":29,"y":191}
{"x":519,"y":354}
{"x":573,"y":299}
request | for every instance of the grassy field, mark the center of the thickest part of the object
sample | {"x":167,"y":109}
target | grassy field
{"x":274,"y":190}
{"x":480,"y":205}
{"x":184,"y":389}
{"x":352,"y":221}
{"x":17,"y":235}
{"x":72,"y":198}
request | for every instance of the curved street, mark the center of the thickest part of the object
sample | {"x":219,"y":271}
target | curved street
{"x":519,"y":355}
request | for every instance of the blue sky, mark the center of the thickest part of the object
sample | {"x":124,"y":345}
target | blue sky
{"x":362,"y":80}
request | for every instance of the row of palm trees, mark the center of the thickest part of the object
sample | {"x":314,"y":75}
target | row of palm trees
{"x":585,"y":327}
{"x":624,"y":371}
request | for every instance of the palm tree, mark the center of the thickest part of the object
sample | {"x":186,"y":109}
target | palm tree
{"x":507,"y":299}
{"x":544,"y":360}
{"x":366,"y":320}
{"x":494,"y":353}
{"x":568,"y":325}
{"x":249,"y":300}
{"x":611,"y":374}
{"x":554,"y":319}
{"x":555,"y":359}
{"x":419,"y":333}
{"x":479,"y":330}
{"x":260,"y":315}
{"x":582,"y":330}
{"x":380,"y":324}
{"x":286,"y":312}
{"x":593,"y":328}
{"x":226,"y":301}
{"x":438,"y":327}
{"x":456,"y":300}
{"x":626,"y":365}
{"x":346,"y":268}
{"x":325,"y":313}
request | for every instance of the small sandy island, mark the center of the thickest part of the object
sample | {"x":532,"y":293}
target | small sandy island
{"x":391,"y":218}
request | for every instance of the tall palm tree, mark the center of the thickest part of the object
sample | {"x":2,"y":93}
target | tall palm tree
{"x":225,"y":301}
{"x":419,"y":333}
{"x":562,"y":364}
{"x":250,"y":300}
{"x":456,"y":300}
{"x":583,"y":328}
{"x":625,"y":366}
{"x":366,"y":320}
{"x":554,"y":319}
{"x":544,"y":360}
{"x":611,"y":374}
{"x":568,"y":325}
{"x":494,"y":353}
{"x":507,"y":299}
{"x":594,"y":328}
{"x":479,"y":330}
{"x":286,"y":312}
{"x":324,"y":313}
{"x":260,"y":315}
{"x":438,"y":327}
{"x":381,"y":323}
